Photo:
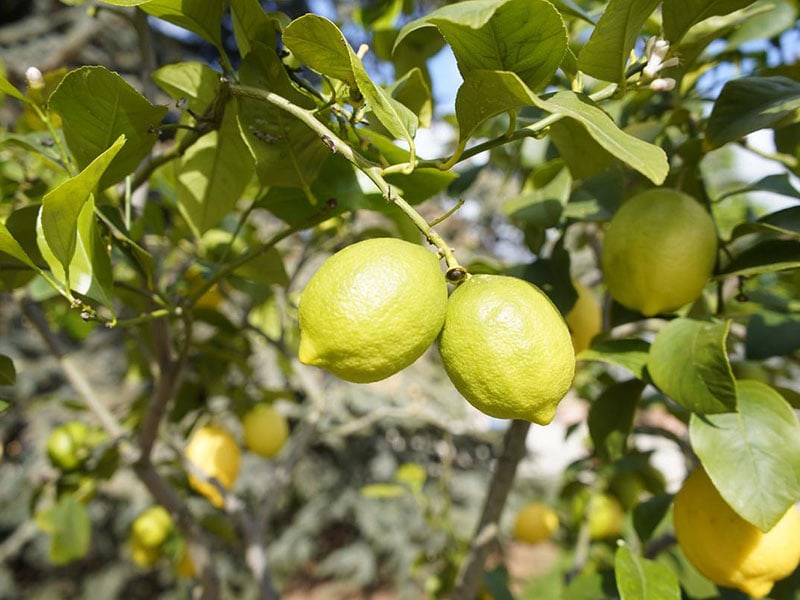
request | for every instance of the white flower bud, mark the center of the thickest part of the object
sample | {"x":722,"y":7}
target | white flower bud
{"x":35,"y":78}
{"x":663,"y":84}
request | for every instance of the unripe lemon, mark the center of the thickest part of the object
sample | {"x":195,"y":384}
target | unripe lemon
{"x":659,"y":251}
{"x":144,"y":556}
{"x":535,"y":523}
{"x":265,"y":430}
{"x":506,"y":348}
{"x":606,"y":517}
{"x":585,"y":319}
{"x":372,"y":309}
{"x":67,"y":446}
{"x":214,"y":451}
{"x":152,"y":527}
{"x":727,"y":549}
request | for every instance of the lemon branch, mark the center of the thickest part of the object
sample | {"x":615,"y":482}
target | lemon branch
{"x":372,"y":170}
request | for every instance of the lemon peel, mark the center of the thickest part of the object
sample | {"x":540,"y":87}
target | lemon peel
{"x":372,"y":309}
{"x":585,"y":319}
{"x":506,"y":348}
{"x":265,"y":430}
{"x":215,"y":452}
{"x":535,"y":523}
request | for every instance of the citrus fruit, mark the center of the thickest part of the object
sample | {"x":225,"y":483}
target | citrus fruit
{"x":372,"y":309}
{"x":265,"y":430}
{"x":142,"y":555}
{"x":606,"y":517}
{"x":585,"y":319}
{"x":506,"y":348}
{"x":727,"y":549}
{"x":214,"y":451}
{"x":67,"y":445}
{"x":659,"y":251}
{"x":152,"y":527}
{"x":535,"y":523}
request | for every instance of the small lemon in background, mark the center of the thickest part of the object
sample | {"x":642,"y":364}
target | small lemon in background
{"x":265,"y":430}
{"x":658,"y":251}
{"x":506,"y":348}
{"x":149,"y":531}
{"x":372,"y":309}
{"x":215,"y":452}
{"x":535,"y":523}
{"x":606,"y":517}
{"x":585,"y":318}
{"x":727,"y":549}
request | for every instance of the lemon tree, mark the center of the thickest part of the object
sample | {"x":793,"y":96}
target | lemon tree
{"x":589,"y":247}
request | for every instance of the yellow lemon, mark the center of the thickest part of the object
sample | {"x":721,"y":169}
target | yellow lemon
{"x":184,"y":567}
{"x":214,"y":451}
{"x":727,"y":549}
{"x":535,"y":523}
{"x":265,"y":430}
{"x":659,"y":251}
{"x":506,"y":348}
{"x":143,"y":556}
{"x":606,"y":517}
{"x":152,"y":527}
{"x":372,"y":309}
{"x":585,"y":319}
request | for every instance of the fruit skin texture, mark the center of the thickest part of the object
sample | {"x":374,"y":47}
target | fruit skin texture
{"x":585,"y":318}
{"x":606,"y":516}
{"x":659,"y":251}
{"x":727,"y":549}
{"x":265,"y":430}
{"x":372,"y":309}
{"x":535,"y":523}
{"x":214,"y":451}
{"x":507,"y":349}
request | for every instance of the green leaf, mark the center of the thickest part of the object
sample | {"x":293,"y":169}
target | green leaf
{"x":629,"y":353}
{"x":606,"y":53}
{"x":196,"y":82}
{"x":688,"y":361}
{"x":62,"y":205}
{"x":642,"y":579}
{"x":11,"y":246}
{"x":287,"y":153}
{"x":69,"y":527}
{"x":648,"y":514}
{"x":777,"y":184}
{"x":780,"y":16}
{"x":772,"y":334}
{"x":252,"y":24}
{"x":753,"y":456}
{"x":579,"y":150}
{"x":8,"y":375}
{"x":748,"y":104}
{"x":96,"y":107}
{"x":6,"y":87}
{"x":485,"y":94}
{"x":125,"y":2}
{"x":414,"y":92}
{"x":544,"y":196}
{"x":212,"y":175}
{"x":679,"y":15}
{"x":767,"y":256}
{"x":203,"y":17}
{"x":383,"y":490}
{"x":267,"y":268}
{"x":318,"y":43}
{"x":611,"y":419}
{"x":525,"y":37}
{"x":786,"y":222}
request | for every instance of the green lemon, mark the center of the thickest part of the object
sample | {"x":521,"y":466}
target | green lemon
{"x":585,"y":319}
{"x":67,"y":445}
{"x":214,"y":451}
{"x":659,"y":251}
{"x":535,"y":523}
{"x":606,"y":517}
{"x":727,"y":549}
{"x":265,"y":430}
{"x":506,"y":348}
{"x":152,"y":527}
{"x":372,"y":309}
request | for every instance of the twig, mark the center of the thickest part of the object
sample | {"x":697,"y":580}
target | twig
{"x":469,"y":576}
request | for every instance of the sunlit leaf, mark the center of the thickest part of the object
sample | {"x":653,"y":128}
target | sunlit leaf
{"x":69,"y":527}
{"x":680,"y":15}
{"x":642,"y":579}
{"x":630,"y":353}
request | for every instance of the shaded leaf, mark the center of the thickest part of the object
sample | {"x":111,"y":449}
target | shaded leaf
{"x":96,"y":107}
{"x":252,"y":24}
{"x":579,"y":150}
{"x":772,"y":334}
{"x":766,"y":256}
{"x":748,"y":104}
{"x":543,"y":199}
{"x":8,"y":374}
{"x":69,"y":527}
{"x":10,"y":246}
{"x":6,"y":87}
{"x":647,"y":515}
{"x":680,"y":15}
{"x":688,"y":362}
{"x":203,"y":17}
{"x":758,"y":473}
{"x":642,"y":579}
{"x":383,"y":490}
{"x":630,"y":353}
{"x":606,"y":53}
{"x":611,"y":419}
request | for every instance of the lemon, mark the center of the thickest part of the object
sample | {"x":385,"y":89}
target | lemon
{"x":659,"y":251}
{"x":372,"y":309}
{"x":265,"y":430}
{"x":142,"y":555}
{"x":606,"y":517}
{"x":67,"y":445}
{"x":585,"y":319}
{"x":506,"y":348}
{"x":214,"y":451}
{"x":727,"y":549}
{"x":152,"y":527}
{"x":535,"y":523}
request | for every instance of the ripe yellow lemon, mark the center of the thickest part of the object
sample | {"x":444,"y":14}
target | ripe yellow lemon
{"x":535,"y":523}
{"x":265,"y":430}
{"x":143,"y":556}
{"x":506,"y":348}
{"x":152,"y":527}
{"x":585,"y":319}
{"x":214,"y":451}
{"x":659,"y":251}
{"x":606,"y":517}
{"x":372,"y":309}
{"x":727,"y":549}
